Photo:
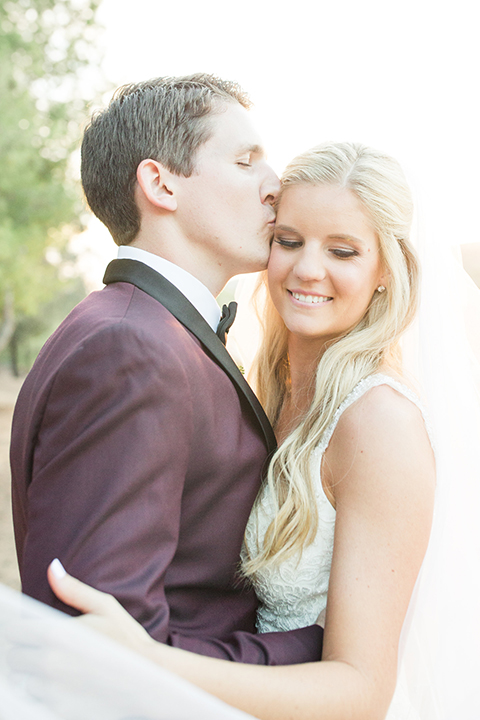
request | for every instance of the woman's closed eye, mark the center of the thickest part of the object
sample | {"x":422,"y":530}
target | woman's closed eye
{"x":286,"y":243}
{"x":344,"y":253}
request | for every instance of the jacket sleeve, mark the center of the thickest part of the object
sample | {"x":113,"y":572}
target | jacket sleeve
{"x":108,"y":474}
{"x":276,"y":648}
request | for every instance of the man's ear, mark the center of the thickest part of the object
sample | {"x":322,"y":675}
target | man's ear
{"x":156,"y":183}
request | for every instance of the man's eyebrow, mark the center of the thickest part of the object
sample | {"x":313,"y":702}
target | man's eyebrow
{"x":255,"y":149}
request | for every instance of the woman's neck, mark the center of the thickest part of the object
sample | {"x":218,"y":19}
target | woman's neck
{"x":303,"y":361}
{"x":303,"y":357}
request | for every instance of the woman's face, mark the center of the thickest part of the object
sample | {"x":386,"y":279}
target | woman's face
{"x":325,"y":263}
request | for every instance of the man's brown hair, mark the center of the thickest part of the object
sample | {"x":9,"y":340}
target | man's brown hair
{"x":165,"y":119}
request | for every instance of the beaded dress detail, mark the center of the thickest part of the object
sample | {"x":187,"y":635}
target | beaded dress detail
{"x":294,"y":593}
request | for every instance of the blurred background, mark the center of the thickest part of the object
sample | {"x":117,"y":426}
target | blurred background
{"x":402,"y":77}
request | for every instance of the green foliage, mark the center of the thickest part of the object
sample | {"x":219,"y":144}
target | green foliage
{"x":49,"y":58}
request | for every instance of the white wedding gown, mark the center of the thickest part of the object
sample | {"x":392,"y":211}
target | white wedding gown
{"x":294,"y":593}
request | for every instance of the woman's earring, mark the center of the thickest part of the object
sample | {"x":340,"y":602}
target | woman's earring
{"x":380,"y":288}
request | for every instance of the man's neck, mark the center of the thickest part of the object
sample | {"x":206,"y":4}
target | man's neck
{"x":190,"y":286}
{"x":180,"y":254}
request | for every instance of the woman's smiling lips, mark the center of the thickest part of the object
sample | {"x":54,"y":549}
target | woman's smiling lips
{"x":308,"y":298}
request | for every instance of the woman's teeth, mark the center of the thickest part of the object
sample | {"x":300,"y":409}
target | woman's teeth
{"x":314,"y":299}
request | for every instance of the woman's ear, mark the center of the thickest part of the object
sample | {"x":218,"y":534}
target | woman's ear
{"x":156,"y":184}
{"x":384,"y":278}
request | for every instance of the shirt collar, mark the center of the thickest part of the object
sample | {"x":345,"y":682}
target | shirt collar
{"x":194,"y":290}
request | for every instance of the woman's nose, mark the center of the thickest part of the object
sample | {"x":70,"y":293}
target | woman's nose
{"x":310,"y":265}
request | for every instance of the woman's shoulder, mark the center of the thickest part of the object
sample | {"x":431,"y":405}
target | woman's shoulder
{"x":382,"y":433}
{"x":383,"y":404}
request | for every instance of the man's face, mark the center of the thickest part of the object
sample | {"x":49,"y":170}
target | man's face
{"x":225,"y":208}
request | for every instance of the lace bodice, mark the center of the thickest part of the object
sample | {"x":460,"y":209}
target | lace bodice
{"x":293,"y":594}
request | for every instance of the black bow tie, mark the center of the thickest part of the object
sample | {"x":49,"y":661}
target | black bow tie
{"x":226,"y":321}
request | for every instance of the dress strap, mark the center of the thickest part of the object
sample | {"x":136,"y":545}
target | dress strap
{"x":360,"y":389}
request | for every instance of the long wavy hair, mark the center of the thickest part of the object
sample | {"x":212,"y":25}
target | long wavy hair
{"x":379,"y":183}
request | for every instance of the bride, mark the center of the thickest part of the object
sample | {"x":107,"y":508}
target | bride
{"x":341,"y":527}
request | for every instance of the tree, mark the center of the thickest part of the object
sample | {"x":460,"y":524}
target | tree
{"x":49,"y":59}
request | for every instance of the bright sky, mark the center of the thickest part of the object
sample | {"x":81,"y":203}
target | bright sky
{"x":401,"y":76}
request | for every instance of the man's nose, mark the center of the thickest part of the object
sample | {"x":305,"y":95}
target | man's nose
{"x":270,"y":187}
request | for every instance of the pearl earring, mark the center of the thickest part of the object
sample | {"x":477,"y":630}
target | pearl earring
{"x":380,"y":288}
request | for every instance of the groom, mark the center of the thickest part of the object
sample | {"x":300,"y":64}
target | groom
{"x":137,"y":446}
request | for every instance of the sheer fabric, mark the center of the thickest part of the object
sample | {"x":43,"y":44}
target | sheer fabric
{"x":52,"y":668}
{"x":441,"y":639}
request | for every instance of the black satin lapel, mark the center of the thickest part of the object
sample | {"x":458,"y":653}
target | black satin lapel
{"x":158,"y":287}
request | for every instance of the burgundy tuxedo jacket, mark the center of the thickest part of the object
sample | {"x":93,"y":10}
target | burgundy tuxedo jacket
{"x":137,"y":452}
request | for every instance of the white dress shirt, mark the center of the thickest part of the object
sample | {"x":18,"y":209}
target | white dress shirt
{"x":194,"y":290}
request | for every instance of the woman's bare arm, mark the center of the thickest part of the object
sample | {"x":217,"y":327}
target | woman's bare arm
{"x":381,"y":470}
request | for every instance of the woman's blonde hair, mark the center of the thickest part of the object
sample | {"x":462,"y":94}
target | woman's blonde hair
{"x":379,"y":183}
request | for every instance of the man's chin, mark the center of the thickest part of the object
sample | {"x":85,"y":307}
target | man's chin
{"x":253,"y":267}
{"x":262,"y":263}
{"x":257,"y":261}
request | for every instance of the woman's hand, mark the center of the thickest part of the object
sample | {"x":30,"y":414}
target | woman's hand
{"x":101,"y":611}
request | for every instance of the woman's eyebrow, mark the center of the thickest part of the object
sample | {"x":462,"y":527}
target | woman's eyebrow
{"x":352,"y":238}
{"x":286,"y":228}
